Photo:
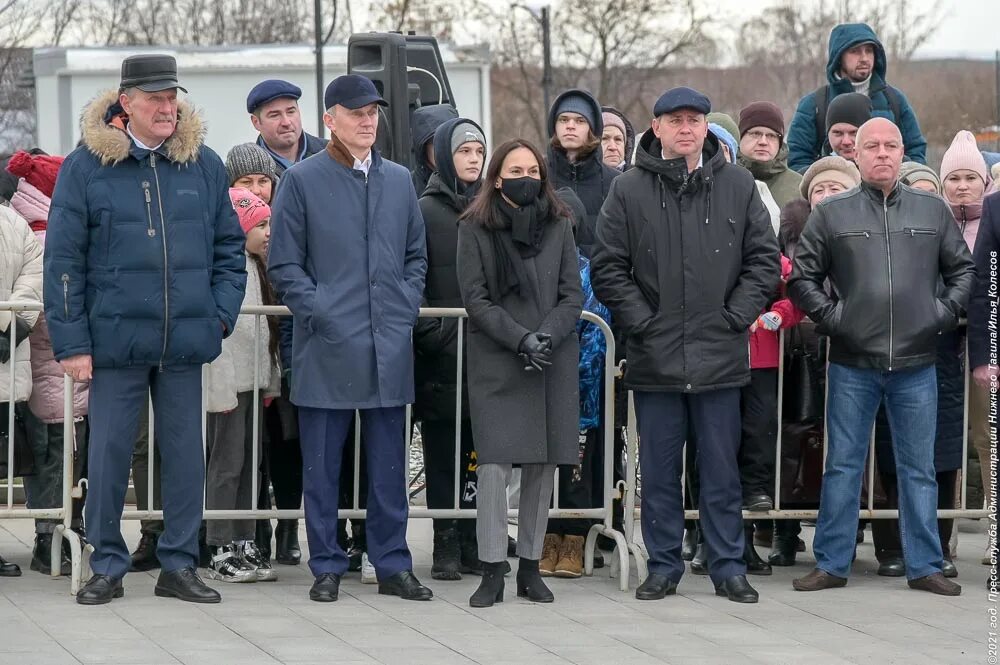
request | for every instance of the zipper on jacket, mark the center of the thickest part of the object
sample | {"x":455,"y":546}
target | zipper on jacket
{"x":149,"y":211}
{"x":853,"y":234}
{"x":65,"y":281}
{"x":922,"y":232}
{"x":888,"y":257}
{"x":166,"y":277}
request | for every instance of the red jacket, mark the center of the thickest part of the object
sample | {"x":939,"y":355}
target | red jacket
{"x":764,"y":343}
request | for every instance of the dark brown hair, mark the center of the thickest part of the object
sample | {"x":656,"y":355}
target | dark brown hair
{"x":483,"y":209}
{"x":269,"y":298}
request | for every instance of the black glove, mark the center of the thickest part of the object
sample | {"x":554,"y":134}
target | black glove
{"x":21,"y":330}
{"x":536,"y":349}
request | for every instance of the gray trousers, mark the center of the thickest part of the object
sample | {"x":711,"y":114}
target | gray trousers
{"x":231,"y":466}
{"x":532,"y":515}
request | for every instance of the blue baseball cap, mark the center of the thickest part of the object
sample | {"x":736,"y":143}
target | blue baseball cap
{"x":269,"y":90}
{"x":352,"y":92}
{"x":681,"y":98}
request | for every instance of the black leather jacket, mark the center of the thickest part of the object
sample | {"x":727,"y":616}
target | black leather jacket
{"x":900,"y":271}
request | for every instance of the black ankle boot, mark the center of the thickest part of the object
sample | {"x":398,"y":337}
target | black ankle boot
{"x":699,"y":563}
{"x":755,"y":565}
{"x":41,"y":556}
{"x":490,"y":587}
{"x":286,"y":540}
{"x":447,"y":556}
{"x":690,"y":543}
{"x":530,"y":584}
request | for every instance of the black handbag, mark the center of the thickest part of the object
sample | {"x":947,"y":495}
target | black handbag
{"x":24,"y":457}
{"x":805,"y":379}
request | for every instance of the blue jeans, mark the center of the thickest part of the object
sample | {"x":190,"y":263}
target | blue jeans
{"x":911,"y":405}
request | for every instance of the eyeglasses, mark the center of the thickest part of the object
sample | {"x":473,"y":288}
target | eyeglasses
{"x":757,"y":135}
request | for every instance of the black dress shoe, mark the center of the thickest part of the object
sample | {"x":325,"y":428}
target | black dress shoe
{"x":286,"y":537}
{"x":758,"y":503}
{"x":894,"y":567}
{"x":184,"y":584}
{"x":406,"y":586}
{"x":326,"y":588}
{"x":699,"y":564}
{"x":655,"y":587}
{"x":144,"y":556}
{"x":948,"y":569}
{"x":690,"y":544}
{"x":8,"y":569}
{"x":737,"y":589}
{"x":100,"y":589}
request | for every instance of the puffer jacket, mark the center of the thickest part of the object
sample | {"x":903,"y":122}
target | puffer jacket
{"x":805,"y":147}
{"x":886,"y":258}
{"x":20,"y":281}
{"x":685,"y":262}
{"x":144,"y":260}
{"x":593,"y":347}
{"x":233,"y":371}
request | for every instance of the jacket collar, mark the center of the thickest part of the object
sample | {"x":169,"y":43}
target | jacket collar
{"x":563,"y":169}
{"x":340,"y":154}
{"x":769,"y":169}
{"x":648,"y":157}
{"x":102,"y":125}
{"x":876,"y":194}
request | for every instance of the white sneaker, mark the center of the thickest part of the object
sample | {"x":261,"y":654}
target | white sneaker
{"x":367,"y":571}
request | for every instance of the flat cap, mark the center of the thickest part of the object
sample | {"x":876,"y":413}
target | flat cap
{"x":681,"y":98}
{"x":269,"y":90}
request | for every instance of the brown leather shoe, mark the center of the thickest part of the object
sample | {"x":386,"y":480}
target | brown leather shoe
{"x":818,"y":580}
{"x":550,"y":554}
{"x":570,"y":557}
{"x":936,"y":583}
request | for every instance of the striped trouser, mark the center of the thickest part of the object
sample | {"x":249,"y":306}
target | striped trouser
{"x":532,"y":516}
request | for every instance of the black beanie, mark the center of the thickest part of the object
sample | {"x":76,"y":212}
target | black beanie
{"x":853,"y":108}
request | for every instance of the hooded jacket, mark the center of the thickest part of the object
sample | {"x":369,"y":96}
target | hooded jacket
{"x":886,"y":259}
{"x":436,"y":340}
{"x":424,"y":121}
{"x":782,"y":182}
{"x":805,"y":147}
{"x":685,"y":263}
{"x":144,"y":260}
{"x":629,"y":136}
{"x":589,"y":178}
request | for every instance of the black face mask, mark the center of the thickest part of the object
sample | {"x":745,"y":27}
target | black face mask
{"x":522,"y":191}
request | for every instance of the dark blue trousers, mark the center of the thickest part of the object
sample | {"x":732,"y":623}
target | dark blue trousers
{"x":116,"y":398}
{"x":714,"y":418}
{"x":323,"y":433}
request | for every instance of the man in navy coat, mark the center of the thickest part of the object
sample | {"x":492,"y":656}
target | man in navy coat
{"x":348,"y":258}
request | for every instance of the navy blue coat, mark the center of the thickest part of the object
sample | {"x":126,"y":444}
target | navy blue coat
{"x":144,"y":260}
{"x":348,"y":258}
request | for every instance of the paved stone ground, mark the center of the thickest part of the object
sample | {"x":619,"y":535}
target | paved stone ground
{"x":874,"y":621}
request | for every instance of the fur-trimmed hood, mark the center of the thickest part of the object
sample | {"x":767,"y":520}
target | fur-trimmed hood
{"x":105,"y":137}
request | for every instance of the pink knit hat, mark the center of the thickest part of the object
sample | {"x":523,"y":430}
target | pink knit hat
{"x":249,"y":208}
{"x":964,"y":154}
{"x":30,"y":202}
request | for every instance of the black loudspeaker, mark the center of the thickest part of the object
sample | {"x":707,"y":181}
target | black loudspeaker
{"x":408,"y":72}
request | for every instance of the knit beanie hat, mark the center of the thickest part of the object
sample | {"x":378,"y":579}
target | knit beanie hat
{"x":249,"y":208}
{"x":465,"y":132}
{"x":852,"y":108}
{"x":727,"y":138}
{"x":725,"y":121}
{"x":39,"y":170}
{"x":964,"y":154}
{"x":614,"y":120}
{"x":249,"y":159}
{"x":762,"y":114}
{"x":833,"y":168}
{"x":577,"y":103}
{"x":911,"y":172}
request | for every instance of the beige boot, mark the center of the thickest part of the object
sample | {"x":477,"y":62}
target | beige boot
{"x":570,"y":557}
{"x":550,"y":554}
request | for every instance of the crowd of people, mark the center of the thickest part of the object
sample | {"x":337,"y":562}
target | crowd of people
{"x":699,"y":241}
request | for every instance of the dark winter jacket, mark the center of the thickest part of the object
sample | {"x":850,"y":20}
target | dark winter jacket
{"x":685,"y":262}
{"x":424,"y":121}
{"x":593,"y":347}
{"x":885,"y":259}
{"x":983,"y":306}
{"x":347,"y":257}
{"x":436,"y":339}
{"x":781,"y":181}
{"x":589,"y":178}
{"x":629,"y":136}
{"x":522,"y":417}
{"x":309,"y":145}
{"x":144,"y":261}
{"x":805,"y":146}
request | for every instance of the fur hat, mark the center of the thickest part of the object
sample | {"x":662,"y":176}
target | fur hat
{"x":833,"y":168}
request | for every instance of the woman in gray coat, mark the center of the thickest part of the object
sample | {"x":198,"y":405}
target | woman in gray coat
{"x":517,"y":268}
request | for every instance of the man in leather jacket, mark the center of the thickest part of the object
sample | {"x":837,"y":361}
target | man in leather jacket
{"x":902,"y":274}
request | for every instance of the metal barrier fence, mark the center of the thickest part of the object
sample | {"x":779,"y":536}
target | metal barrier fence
{"x":630,"y":488}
